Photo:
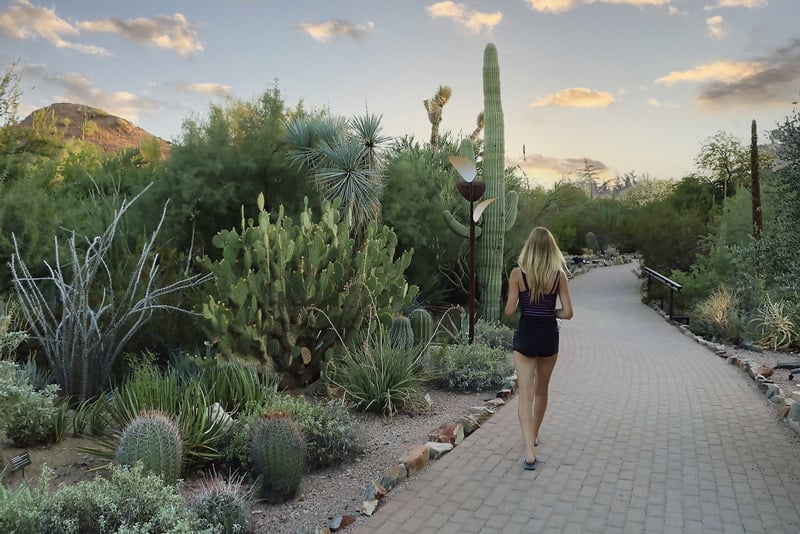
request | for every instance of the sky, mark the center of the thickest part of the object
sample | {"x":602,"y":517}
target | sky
{"x":625,"y":85}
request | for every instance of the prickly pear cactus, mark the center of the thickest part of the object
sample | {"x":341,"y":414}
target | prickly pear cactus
{"x":401,"y":335}
{"x":154,"y":439}
{"x":278,"y":453}
{"x":421,"y":325}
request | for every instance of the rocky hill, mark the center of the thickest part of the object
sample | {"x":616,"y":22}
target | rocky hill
{"x":109,"y":132}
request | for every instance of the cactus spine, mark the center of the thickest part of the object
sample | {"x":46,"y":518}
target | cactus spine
{"x":155,"y":440}
{"x":278,"y":452}
{"x":501,"y":214}
{"x":421,"y":325}
{"x":401,"y":335}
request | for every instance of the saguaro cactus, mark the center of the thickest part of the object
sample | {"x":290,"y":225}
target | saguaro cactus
{"x":501,"y":214}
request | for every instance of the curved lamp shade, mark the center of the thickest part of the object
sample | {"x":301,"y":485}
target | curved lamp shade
{"x":479,"y":209}
{"x":464,"y":166}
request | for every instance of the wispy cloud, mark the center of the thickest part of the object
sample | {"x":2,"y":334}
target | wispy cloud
{"x":659,"y":104}
{"x":773,"y":78}
{"x":214,"y":89}
{"x":76,"y":88}
{"x":576,"y":97}
{"x":560,"y":6}
{"x":718,"y":71}
{"x":330,"y":29}
{"x":471,"y":19}
{"x":24,"y":20}
{"x":716,"y":27}
{"x":750,"y":4}
{"x":554,"y":168}
{"x":173,"y":33}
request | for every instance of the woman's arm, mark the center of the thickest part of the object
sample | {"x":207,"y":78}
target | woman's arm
{"x":513,"y":291}
{"x":565,"y":311}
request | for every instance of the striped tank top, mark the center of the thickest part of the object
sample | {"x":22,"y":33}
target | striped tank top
{"x":546,"y":307}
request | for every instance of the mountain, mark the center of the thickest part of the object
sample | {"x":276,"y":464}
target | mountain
{"x":93,"y":125}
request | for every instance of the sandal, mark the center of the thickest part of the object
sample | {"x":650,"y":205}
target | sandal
{"x":529,"y":466}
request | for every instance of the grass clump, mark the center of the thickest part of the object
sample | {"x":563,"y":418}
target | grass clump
{"x":472,"y":367}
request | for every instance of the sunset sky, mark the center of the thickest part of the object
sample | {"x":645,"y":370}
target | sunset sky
{"x":630,"y":85}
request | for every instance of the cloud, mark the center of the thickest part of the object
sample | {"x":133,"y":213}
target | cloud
{"x":719,"y":71}
{"x":471,"y":19}
{"x":554,"y":168}
{"x":24,"y":20}
{"x":775,"y":81}
{"x":576,"y":97}
{"x":324,"y":31}
{"x":173,"y":33}
{"x":664,"y":105}
{"x":76,"y":88}
{"x":214,"y":89}
{"x":750,"y":4}
{"x":560,"y":6}
{"x":773,"y":78}
{"x":716,"y":27}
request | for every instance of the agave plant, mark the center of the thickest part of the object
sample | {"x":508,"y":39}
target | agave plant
{"x":774,"y":324}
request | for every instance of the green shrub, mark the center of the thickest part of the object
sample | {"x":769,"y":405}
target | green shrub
{"x":130,"y":501}
{"x":22,"y":510}
{"x":28,"y":417}
{"x":378,"y":377}
{"x":474,"y":367}
{"x":222,"y":506}
{"x":717,"y":316}
{"x":494,"y":334}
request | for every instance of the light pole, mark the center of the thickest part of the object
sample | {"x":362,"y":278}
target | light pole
{"x":472,"y":190}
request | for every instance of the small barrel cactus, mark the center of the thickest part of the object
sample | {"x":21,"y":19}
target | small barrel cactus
{"x":153,"y":439}
{"x":401,"y":335}
{"x":421,"y":325}
{"x":222,"y":506}
{"x":278,"y":454}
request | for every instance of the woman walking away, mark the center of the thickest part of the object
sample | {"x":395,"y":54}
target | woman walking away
{"x":535,"y":284}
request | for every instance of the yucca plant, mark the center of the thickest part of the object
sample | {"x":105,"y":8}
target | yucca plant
{"x":774,"y":325}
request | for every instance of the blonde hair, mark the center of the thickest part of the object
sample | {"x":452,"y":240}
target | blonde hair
{"x":542,"y":262}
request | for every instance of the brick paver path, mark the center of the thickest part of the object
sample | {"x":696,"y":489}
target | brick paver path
{"x":646,"y":431}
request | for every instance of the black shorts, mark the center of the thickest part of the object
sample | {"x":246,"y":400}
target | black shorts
{"x":536,"y":336}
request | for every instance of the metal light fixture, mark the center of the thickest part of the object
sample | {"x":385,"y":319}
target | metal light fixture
{"x":472,"y":190}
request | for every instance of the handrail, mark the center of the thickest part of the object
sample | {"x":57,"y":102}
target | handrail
{"x":663,"y":279}
{"x":672,"y":284}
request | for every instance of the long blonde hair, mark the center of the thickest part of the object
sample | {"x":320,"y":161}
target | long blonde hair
{"x":542,"y":262}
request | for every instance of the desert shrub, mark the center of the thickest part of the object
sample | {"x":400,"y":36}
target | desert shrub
{"x":222,"y":506}
{"x":472,"y":367}
{"x":376,"y":376}
{"x":22,"y":509}
{"x":331,"y":433}
{"x":774,"y":325}
{"x":717,"y":315}
{"x":28,"y":417}
{"x":129,"y":501}
{"x":494,"y":334}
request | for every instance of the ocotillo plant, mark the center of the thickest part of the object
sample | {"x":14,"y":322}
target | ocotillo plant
{"x":501,"y":214}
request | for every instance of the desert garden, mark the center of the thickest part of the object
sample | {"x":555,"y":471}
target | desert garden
{"x":237,"y":333}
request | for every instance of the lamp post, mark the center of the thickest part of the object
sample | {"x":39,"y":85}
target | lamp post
{"x":472,"y":190}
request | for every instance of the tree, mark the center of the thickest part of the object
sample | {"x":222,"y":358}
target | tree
{"x":344,"y":158}
{"x":434,"y":108}
{"x":727,"y":162}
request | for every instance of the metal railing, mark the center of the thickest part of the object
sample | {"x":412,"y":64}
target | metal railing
{"x":671,"y":284}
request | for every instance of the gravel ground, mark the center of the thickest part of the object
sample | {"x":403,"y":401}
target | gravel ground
{"x":326,"y":494}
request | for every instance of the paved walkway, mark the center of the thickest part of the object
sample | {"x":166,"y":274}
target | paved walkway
{"x":647,"y":431}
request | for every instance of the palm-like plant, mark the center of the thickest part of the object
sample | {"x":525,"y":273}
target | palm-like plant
{"x":344,"y":157}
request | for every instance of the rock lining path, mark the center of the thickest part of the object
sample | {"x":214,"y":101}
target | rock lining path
{"x":647,"y":431}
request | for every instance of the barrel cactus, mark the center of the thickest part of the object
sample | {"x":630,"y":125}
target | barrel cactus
{"x":153,"y":439}
{"x":421,"y":325}
{"x":222,"y":505}
{"x":278,"y":454}
{"x":401,"y":335}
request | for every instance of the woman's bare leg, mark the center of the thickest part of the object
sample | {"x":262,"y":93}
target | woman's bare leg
{"x":526,"y":378}
{"x":541,"y":384}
